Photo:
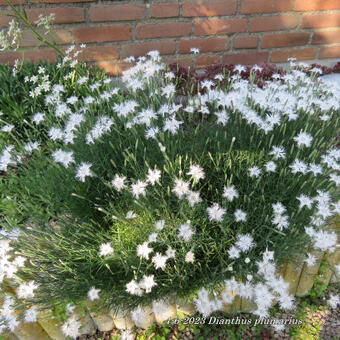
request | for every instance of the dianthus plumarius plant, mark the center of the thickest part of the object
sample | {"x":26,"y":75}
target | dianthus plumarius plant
{"x":131,"y":195}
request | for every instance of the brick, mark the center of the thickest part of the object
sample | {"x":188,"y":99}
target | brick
{"x":61,"y":1}
{"x":97,"y":53}
{"x":29,"y":39}
{"x":321,"y":20}
{"x":329,"y":52}
{"x":4,"y":20}
{"x":299,"y":54}
{"x":277,"y":23}
{"x":316,"y":5}
{"x":165,"y":10}
{"x":326,"y":37}
{"x":163,"y":30}
{"x":204,"y":45}
{"x":265,"y":6}
{"x":117,"y":12}
{"x":245,"y":42}
{"x":209,"y":8}
{"x":63,"y":15}
{"x":207,"y":60}
{"x":220,"y":26}
{"x":246,"y":58}
{"x":101,"y":34}
{"x":14,"y":2}
{"x":33,"y":56}
{"x":285,"y":39}
{"x":114,"y":68}
{"x":142,"y":48}
{"x":183,"y":61}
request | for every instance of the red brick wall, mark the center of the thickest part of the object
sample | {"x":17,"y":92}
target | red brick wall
{"x":225,"y":31}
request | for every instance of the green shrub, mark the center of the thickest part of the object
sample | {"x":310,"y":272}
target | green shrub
{"x":141,"y":199}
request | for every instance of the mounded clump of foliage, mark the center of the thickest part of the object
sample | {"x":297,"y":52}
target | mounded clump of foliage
{"x":131,"y":195}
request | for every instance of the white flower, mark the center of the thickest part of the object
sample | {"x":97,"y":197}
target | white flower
{"x":143,"y":250}
{"x":26,"y":290}
{"x":324,"y":240}
{"x":222,"y":117}
{"x":298,"y":166}
{"x":278,"y":208}
{"x":20,"y":261}
{"x":286,"y":302}
{"x":63,"y":157}
{"x":127,"y":335}
{"x":148,"y":283}
{"x":230,"y":193}
{"x":106,"y":249}
{"x":305,"y":201}
{"x":71,"y":327}
{"x":216,"y":212}
{"x":168,"y":90}
{"x":12,"y":323}
{"x":170,"y":253}
{"x":38,"y":118}
{"x":93,"y":294}
{"x":244,"y":242}
{"x":72,"y":100}
{"x":130,"y":59}
{"x":138,"y":188}
{"x":190,"y":257}
{"x":160,"y":224}
{"x":278,"y":152}
{"x":181,"y":188}
{"x":196,"y":172}
{"x":169,"y":75}
{"x":185,"y":231}
{"x":133,"y":288}
{"x":159,"y":261}
{"x":194,"y":50}
{"x":151,"y":132}
{"x":193,"y":197}
{"x":29,"y":147}
{"x":333,"y":300}
{"x":303,"y":139}
{"x":323,"y":197}
{"x":240,"y":215}
{"x":316,"y":169}
{"x":30,"y":315}
{"x":335,"y":178}
{"x":206,"y":84}
{"x":118,"y":182}
{"x":7,"y":128}
{"x":239,"y":68}
{"x":254,"y":171}
{"x":270,"y":166}
{"x":219,"y":77}
{"x":153,"y":176}
{"x":171,"y":125}
{"x":152,"y":237}
{"x":281,"y":221}
{"x":130,"y":215}
{"x":234,"y":252}
{"x":55,"y":133}
{"x":310,"y":260}
{"x":83,"y":171}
